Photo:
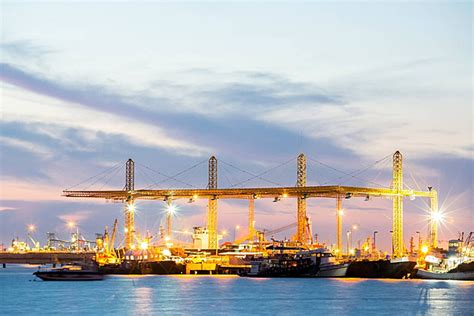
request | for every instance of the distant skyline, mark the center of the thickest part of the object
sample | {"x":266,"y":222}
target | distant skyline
{"x":85,"y":86}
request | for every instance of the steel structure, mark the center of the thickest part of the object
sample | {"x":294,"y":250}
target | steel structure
{"x":251,"y":225}
{"x":212,"y":204}
{"x":129,"y":203}
{"x":433,"y":236}
{"x":301,"y":232}
{"x":339,"y":213}
{"x":301,"y":191}
{"x":397,"y":222}
{"x":169,"y":202}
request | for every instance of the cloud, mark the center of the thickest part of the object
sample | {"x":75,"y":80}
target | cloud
{"x":24,"y":49}
{"x":33,"y":148}
{"x":75,"y":217}
{"x":47,"y":103}
{"x":6,"y":208}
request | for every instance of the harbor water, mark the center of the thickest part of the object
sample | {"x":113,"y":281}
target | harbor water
{"x":23,"y":294}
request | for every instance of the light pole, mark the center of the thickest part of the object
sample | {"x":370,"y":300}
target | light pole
{"x":374,"y":247}
{"x":419,"y":242}
{"x":236,"y":228}
{"x":391,"y":234}
{"x":348,"y":241}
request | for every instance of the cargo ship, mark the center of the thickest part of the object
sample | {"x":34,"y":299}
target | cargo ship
{"x":381,"y":269}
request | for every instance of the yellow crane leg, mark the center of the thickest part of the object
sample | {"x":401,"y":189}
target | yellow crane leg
{"x":339,"y":213}
{"x":434,"y":220}
{"x":129,"y":223}
{"x":397,"y":226}
{"x":251,"y":225}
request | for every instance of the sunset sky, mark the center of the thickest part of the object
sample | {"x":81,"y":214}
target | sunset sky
{"x":86,"y":86}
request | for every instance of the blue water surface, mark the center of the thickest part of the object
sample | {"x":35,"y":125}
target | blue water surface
{"x":23,"y":294}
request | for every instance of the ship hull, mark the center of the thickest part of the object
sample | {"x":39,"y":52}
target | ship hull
{"x":145,"y":267}
{"x":333,"y":271}
{"x":70,"y":275}
{"x":428,"y":275}
{"x":382,"y":269}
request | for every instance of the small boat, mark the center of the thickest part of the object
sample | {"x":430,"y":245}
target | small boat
{"x":70,"y":273}
{"x":431,"y":275}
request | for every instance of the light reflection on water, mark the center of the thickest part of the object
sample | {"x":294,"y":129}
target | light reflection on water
{"x":223,"y":295}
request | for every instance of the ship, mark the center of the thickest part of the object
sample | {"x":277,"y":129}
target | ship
{"x":455,"y":264}
{"x":70,"y":273}
{"x":304,"y":263}
{"x":381,"y":269}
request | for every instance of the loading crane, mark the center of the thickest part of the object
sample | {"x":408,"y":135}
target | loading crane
{"x":301,"y":192}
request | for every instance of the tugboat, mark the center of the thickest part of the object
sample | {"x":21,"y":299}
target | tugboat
{"x":70,"y":273}
{"x":456,"y":264}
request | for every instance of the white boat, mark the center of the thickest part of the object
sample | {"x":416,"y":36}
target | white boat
{"x":332,"y":270}
{"x":424,"y":274}
{"x":328,"y":266}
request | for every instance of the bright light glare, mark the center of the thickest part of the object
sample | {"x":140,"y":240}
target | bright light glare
{"x":340,"y":212}
{"x":437,"y":216}
{"x":424,"y":249}
{"x":71,"y":224}
{"x":31,"y":227}
{"x":354,"y":227}
{"x":144,"y":245}
{"x":131,"y":207}
{"x":237,"y":227}
{"x":166,"y":252}
{"x":171,"y":209}
{"x":285,"y":195}
{"x":224,"y":232}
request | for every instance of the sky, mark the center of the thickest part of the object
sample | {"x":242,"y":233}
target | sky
{"x":87,"y":85}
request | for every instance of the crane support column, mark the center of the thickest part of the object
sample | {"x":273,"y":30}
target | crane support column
{"x":339,"y":213}
{"x":212,"y":205}
{"x":434,"y":219}
{"x":129,"y":211}
{"x":301,"y":234}
{"x":169,"y":214}
{"x":251,"y":218}
{"x":397,"y":228}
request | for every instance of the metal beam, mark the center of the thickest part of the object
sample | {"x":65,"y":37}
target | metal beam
{"x":251,"y":225}
{"x":212,"y":204}
{"x":129,"y":207}
{"x":339,"y":213}
{"x":434,"y":220}
{"x":245,"y":193}
{"x":301,"y":234}
{"x":397,"y":222}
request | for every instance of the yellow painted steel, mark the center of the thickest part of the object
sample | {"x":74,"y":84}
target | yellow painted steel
{"x":129,"y":223}
{"x":339,"y":225}
{"x":301,"y":233}
{"x":169,"y":232}
{"x":212,"y":204}
{"x":434,"y":220}
{"x":301,"y":192}
{"x":397,"y":223}
{"x":129,"y":204}
{"x":251,"y":225}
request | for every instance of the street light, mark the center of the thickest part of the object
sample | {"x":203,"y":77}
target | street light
{"x":393,"y":249}
{"x":419,"y":241}
{"x":236,"y":228}
{"x":374,"y":247}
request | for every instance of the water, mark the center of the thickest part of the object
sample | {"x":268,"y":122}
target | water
{"x":230,"y":295}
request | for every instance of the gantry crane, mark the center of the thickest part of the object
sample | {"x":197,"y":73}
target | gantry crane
{"x":301,"y":192}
